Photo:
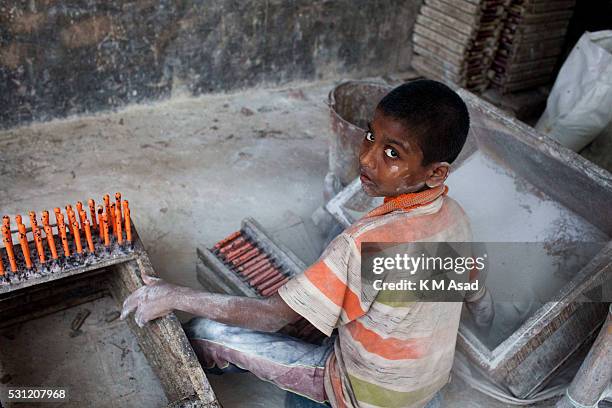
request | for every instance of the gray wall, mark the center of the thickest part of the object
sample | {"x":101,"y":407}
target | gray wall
{"x":62,"y":57}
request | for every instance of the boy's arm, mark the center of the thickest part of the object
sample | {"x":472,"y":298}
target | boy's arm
{"x":158,"y":298}
{"x":482,"y":308}
{"x":480,"y":304}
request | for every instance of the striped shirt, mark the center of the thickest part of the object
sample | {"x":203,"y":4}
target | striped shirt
{"x":388,"y":353}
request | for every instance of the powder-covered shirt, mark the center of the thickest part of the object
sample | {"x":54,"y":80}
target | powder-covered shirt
{"x":387,"y":353}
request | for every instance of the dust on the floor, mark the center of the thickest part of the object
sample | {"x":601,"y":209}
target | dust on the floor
{"x":191,"y":168}
{"x":49,"y":352}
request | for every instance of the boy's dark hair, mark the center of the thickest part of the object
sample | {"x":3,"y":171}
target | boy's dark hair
{"x":435,"y":114}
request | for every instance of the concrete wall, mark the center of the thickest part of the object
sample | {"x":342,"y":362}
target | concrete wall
{"x":63,"y":57}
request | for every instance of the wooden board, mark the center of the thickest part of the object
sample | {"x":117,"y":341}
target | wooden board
{"x":437,"y":72}
{"x":448,"y":20}
{"x":438,"y":50}
{"x":444,"y":40}
{"x":453,"y":10}
{"x":449,"y":66}
{"x":442,"y":28}
{"x":535,"y":66}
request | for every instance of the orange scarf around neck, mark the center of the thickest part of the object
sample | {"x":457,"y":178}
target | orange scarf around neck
{"x":408,"y":201}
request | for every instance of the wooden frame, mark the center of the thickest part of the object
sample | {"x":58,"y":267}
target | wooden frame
{"x":215,"y":276}
{"x":163,"y":341}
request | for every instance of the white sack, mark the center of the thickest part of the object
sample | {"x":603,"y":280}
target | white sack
{"x":579,"y":106}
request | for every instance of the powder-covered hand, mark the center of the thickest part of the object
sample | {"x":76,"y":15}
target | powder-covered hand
{"x":155,"y":299}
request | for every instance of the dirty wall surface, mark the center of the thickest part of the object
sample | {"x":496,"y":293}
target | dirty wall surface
{"x":62,"y":57}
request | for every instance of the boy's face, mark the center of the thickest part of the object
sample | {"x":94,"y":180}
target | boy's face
{"x":391,"y":160}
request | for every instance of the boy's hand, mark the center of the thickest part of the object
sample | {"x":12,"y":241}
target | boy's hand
{"x":482,"y":310}
{"x":155,"y":299}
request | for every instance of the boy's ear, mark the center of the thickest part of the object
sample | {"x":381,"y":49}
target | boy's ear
{"x":438,"y":173}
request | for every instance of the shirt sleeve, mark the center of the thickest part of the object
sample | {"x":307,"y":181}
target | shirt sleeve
{"x":328,"y":293}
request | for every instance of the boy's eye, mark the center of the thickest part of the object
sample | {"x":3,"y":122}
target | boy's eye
{"x":391,"y":153}
{"x":369,"y":136}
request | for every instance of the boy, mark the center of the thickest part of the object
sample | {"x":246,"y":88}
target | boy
{"x":385,"y":353}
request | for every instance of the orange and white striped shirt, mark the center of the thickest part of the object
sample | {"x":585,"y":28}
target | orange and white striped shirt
{"x":388,"y":353}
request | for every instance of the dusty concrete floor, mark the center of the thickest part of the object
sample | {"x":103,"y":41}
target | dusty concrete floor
{"x":122,"y":376}
{"x":192,"y":169}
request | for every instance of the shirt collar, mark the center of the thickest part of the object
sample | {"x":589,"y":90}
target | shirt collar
{"x":408,"y":201}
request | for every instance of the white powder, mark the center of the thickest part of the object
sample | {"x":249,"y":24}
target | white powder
{"x":505,"y":208}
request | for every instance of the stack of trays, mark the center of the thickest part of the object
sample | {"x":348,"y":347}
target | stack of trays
{"x":455,"y":41}
{"x":530,"y":44}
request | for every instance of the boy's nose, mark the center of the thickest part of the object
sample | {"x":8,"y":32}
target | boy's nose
{"x":366,"y":159}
